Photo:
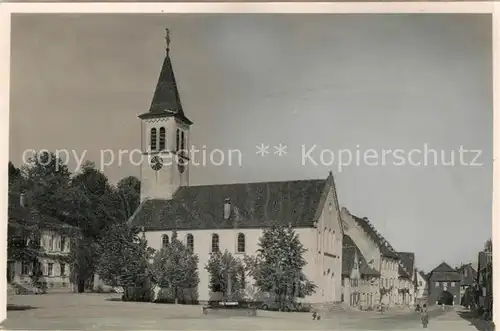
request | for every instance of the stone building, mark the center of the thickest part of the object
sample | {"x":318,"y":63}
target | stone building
{"x":444,"y":285}
{"x":230,"y":217}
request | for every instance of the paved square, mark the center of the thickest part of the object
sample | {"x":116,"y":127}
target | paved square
{"x":100,"y":311}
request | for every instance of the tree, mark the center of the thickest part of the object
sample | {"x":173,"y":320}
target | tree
{"x":93,"y":193}
{"x":129,"y":192}
{"x":176,"y":267}
{"x":488,"y":246}
{"x":227,"y":274}
{"x":125,"y":260}
{"x":47,"y":181}
{"x":277,"y":267}
{"x":95,"y":209}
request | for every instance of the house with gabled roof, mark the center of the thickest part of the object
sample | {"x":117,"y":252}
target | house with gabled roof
{"x":360,"y":281}
{"x":421,"y":288}
{"x":38,"y":241}
{"x":468,"y":278}
{"x":444,"y":285}
{"x":377,"y":251}
{"x":232,"y":217}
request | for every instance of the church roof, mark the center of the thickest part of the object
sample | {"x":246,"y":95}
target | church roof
{"x":349,"y":250}
{"x":407,"y":265}
{"x":444,"y":273}
{"x":166,"y":99}
{"x":297,"y":203}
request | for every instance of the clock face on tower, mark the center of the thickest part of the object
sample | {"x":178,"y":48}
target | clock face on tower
{"x":156,"y":163}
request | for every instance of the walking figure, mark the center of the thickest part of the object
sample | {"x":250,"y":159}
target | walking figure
{"x":424,"y":316}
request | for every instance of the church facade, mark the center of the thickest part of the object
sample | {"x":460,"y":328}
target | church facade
{"x":230,"y":217}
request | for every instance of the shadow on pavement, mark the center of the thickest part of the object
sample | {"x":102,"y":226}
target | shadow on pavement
{"x":477,"y":322}
{"x":11,"y":307}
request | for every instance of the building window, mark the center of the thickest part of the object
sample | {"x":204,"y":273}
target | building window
{"x":241,"y":243}
{"x":183,"y":141}
{"x":63,"y":269}
{"x":164,"y":241}
{"x":63,"y":243}
{"x":437,"y":284}
{"x":177,"y":140}
{"x":50,"y":270}
{"x":25,"y":268}
{"x":215,"y":243}
{"x":420,"y":283}
{"x":162,"y":139}
{"x":51,"y":243}
{"x":153,"y":139}
{"x":190,"y":242}
{"x":452,"y":284}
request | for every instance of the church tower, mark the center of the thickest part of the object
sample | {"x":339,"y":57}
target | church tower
{"x":165,"y":138}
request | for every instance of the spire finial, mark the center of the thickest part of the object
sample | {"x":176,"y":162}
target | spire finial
{"x":167,"y":39}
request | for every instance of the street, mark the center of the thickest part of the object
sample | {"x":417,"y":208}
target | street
{"x":103,"y":311}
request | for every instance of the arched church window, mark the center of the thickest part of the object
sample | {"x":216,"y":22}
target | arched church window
{"x":153,"y":139}
{"x":164,"y":241}
{"x":241,"y":243}
{"x":183,"y":141}
{"x":215,"y":243}
{"x":190,"y":242}
{"x":177,"y":140}
{"x":162,"y":139}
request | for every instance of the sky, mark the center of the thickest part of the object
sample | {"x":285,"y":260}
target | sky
{"x":339,"y":84}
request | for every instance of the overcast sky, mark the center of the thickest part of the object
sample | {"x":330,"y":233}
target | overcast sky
{"x":356,"y":82}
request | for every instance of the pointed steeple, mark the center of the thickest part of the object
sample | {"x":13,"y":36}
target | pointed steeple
{"x":166,"y":98}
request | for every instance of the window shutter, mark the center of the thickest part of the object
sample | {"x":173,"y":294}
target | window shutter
{"x":59,"y":244}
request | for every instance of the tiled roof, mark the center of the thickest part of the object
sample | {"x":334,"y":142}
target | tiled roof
{"x":349,"y":250}
{"x":297,"y":203}
{"x":384,"y":246}
{"x":27,"y":217}
{"x":407,"y":264}
{"x":444,"y":273}
{"x":166,"y":98}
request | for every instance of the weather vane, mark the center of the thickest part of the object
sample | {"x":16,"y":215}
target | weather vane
{"x":167,"y":39}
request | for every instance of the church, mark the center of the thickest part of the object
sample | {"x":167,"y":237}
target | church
{"x":212,"y":218}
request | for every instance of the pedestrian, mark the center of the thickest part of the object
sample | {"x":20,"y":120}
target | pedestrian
{"x":424,"y":316}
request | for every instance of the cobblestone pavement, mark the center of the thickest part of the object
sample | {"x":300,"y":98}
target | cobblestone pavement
{"x":97,"y":311}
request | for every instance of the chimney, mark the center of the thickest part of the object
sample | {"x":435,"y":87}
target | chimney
{"x":227,"y":208}
{"x":22,"y":200}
